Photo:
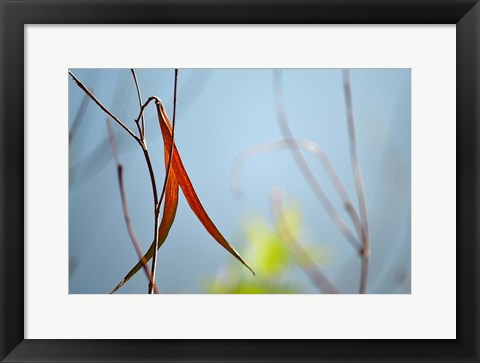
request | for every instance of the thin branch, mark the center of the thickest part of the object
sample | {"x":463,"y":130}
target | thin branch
{"x":156,"y":202}
{"x":142,"y":144}
{"x":151,"y":173}
{"x":305,"y":144}
{"x":358,"y":181}
{"x":106,"y":110}
{"x":151,"y":282}
{"x":297,"y":155}
{"x":123,"y":196}
{"x":167,"y":173}
{"x":301,"y":256}
{"x":142,"y":128}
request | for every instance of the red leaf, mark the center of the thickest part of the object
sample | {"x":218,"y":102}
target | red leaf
{"x":187,"y":187}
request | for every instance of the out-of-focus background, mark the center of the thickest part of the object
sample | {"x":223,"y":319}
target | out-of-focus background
{"x":221,"y":114}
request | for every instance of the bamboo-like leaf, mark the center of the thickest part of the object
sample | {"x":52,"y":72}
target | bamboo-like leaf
{"x":187,"y":187}
{"x":169,"y":211}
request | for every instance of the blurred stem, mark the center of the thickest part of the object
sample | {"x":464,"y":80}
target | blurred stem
{"x":365,"y":251}
{"x":307,"y":145}
{"x":297,"y":155}
{"x":79,"y":117}
{"x":301,"y":256}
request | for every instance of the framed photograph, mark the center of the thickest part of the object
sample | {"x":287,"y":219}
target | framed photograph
{"x":239,"y":181}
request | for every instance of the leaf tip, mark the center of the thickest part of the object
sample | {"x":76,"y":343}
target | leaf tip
{"x":247,"y":266}
{"x":118,"y":286}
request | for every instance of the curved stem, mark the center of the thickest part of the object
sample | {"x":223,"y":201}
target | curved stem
{"x":305,"y":144}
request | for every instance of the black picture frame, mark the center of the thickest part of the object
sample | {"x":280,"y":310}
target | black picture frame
{"x":16,"y":13}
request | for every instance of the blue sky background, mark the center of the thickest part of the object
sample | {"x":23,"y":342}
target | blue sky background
{"x":220,"y":114}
